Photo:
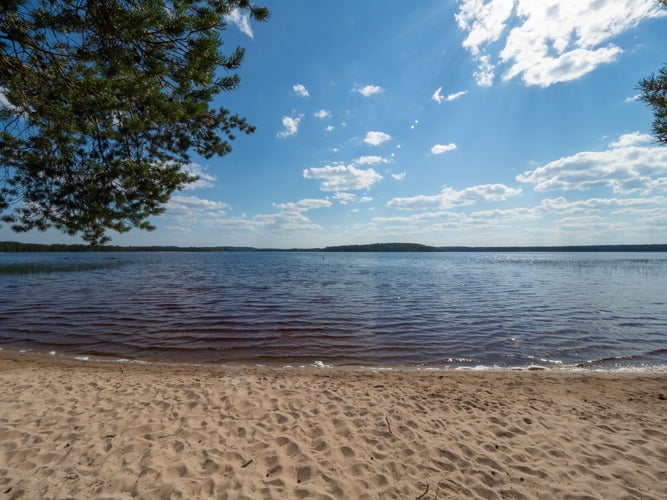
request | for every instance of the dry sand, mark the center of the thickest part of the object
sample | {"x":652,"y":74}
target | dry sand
{"x":87,"y":430}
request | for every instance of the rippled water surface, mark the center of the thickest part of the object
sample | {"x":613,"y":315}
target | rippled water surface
{"x":606,"y":310}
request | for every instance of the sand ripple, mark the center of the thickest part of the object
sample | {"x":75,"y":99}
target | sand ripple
{"x":91,"y":431}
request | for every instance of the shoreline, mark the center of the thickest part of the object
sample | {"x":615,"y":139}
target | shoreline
{"x":541,"y":365}
{"x":88,"y":429}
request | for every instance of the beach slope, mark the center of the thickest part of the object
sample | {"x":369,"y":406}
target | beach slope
{"x":106,"y":430}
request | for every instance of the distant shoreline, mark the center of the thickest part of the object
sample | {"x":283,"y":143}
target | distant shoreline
{"x":16,"y":247}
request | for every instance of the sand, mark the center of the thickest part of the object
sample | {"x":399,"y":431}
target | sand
{"x":90,"y":430}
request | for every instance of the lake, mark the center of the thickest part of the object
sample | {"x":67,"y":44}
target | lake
{"x":418,"y":310}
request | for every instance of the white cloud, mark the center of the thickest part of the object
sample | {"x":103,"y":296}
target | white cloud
{"x":542,"y":71}
{"x":485,"y":22}
{"x":437,"y":97}
{"x":376,"y":138}
{"x":418,"y":218}
{"x":303,"y":205}
{"x":624,"y":168}
{"x":289,"y":219}
{"x":205,"y":180}
{"x":189,"y":210}
{"x":329,"y":128}
{"x":549,"y":41}
{"x":586,"y":224}
{"x":485,"y":72}
{"x":343,"y":178}
{"x":509,"y":214}
{"x":456,"y":95}
{"x":283,"y":221}
{"x":241,"y":21}
{"x":399,"y":177}
{"x":322,"y":113}
{"x":598,"y":205}
{"x":196,"y":202}
{"x":450,"y":197}
{"x":300,"y":90}
{"x":344,"y":198}
{"x":365,"y":199}
{"x":369,"y":90}
{"x":438,"y":149}
{"x":291,"y":125}
{"x":631,"y":139}
{"x":633,"y":98}
{"x":370,"y":160}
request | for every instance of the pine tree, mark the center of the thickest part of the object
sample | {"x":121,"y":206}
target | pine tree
{"x":654,"y":93}
{"x":103,"y":101}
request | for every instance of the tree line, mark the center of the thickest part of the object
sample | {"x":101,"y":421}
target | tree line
{"x":16,"y":247}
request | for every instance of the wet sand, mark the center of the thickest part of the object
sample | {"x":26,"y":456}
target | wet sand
{"x":105,"y":430}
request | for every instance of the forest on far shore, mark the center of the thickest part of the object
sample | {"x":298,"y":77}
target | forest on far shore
{"x":16,"y":247}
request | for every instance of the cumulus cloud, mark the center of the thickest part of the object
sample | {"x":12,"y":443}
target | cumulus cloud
{"x":343,"y":178}
{"x":241,"y":20}
{"x":195,"y":201}
{"x":549,"y":41}
{"x":370,"y":160}
{"x":289,"y":218}
{"x":291,"y":125}
{"x":283,"y":221}
{"x":300,"y":90}
{"x":376,"y":138}
{"x":189,"y":210}
{"x":344,"y":198}
{"x":438,"y":149}
{"x":400,"y":176}
{"x":303,"y":205}
{"x":485,"y":22}
{"x":369,"y":90}
{"x":485,"y":72}
{"x":596,"y":205}
{"x":631,"y":139}
{"x":625,"y":168}
{"x":450,"y":197}
{"x":205,"y":180}
{"x":322,"y":113}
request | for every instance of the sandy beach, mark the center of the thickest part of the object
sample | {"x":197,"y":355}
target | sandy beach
{"x":106,"y":430}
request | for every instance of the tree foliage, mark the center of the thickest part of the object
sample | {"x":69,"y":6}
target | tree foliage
{"x":654,"y":93}
{"x":103,"y":101}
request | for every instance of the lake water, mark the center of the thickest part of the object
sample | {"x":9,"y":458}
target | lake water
{"x":422,"y":310}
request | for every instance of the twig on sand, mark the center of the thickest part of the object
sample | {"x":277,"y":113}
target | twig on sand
{"x":386,"y":419}
{"x":245,"y":464}
{"x":425,"y":492}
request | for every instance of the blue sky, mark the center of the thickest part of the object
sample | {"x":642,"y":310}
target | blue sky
{"x":470,"y":122}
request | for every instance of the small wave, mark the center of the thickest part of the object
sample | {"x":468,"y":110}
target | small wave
{"x":28,"y":268}
{"x":606,"y":360}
